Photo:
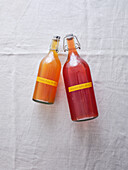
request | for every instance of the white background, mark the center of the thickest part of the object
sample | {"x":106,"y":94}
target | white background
{"x":42,"y":137}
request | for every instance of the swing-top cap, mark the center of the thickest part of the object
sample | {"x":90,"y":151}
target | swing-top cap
{"x":69,"y":36}
{"x":56,"y":38}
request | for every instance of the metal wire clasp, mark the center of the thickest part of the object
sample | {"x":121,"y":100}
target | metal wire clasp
{"x":68,"y":37}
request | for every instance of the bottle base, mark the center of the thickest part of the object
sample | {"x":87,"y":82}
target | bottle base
{"x":85,"y":119}
{"x":41,"y":101}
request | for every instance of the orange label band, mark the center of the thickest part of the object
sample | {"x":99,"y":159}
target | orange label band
{"x":80,"y":87}
{"x":46,"y":81}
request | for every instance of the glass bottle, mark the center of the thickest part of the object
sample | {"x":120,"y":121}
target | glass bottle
{"x":78,"y":83}
{"x":48,"y":75}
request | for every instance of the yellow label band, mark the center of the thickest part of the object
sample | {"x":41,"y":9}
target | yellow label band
{"x":46,"y":81}
{"x":80,"y":87}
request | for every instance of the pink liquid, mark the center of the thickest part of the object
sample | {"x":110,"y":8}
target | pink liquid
{"x":82,"y":103}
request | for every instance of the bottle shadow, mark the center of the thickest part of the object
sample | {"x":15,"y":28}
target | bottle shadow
{"x":52,"y":112}
{"x":87,"y":134}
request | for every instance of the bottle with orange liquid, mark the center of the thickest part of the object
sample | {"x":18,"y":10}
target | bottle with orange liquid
{"x":78,"y":83}
{"x":48,"y":75}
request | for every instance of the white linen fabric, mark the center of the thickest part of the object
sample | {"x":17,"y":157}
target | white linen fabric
{"x":35,"y":136}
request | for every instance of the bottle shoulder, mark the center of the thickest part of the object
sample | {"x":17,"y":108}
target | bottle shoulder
{"x":84,"y":62}
{"x":77,"y":62}
{"x":51,"y":59}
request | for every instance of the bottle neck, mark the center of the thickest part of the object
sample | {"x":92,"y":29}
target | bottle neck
{"x":54,"y":46}
{"x":71,"y":48}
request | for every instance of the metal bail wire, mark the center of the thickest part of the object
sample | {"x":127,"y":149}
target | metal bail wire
{"x":77,"y":43}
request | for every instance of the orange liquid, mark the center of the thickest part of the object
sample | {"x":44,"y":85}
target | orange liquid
{"x":49,"y":68}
